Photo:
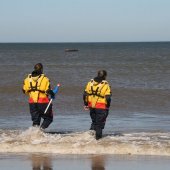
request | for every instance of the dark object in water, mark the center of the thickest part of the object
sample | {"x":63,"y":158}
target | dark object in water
{"x":70,"y":50}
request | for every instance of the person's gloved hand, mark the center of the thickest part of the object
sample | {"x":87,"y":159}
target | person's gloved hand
{"x":51,"y":93}
{"x":108,"y":101}
{"x":108,"y":105}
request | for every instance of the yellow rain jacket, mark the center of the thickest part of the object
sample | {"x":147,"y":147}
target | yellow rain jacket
{"x":36,"y":88}
{"x":96,"y":94}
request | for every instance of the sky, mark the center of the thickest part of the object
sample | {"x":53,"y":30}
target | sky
{"x":84,"y":20}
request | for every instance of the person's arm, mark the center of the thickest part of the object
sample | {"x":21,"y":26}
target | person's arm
{"x":85,"y":98}
{"x":25,"y":87}
{"x":108,"y":95}
{"x":48,"y":89}
{"x":108,"y":100}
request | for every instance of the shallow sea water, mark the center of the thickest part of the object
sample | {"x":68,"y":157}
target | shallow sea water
{"x":137,"y":132}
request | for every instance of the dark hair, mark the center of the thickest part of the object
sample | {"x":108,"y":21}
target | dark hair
{"x":35,"y":73}
{"x":38,"y":67}
{"x":102,"y":74}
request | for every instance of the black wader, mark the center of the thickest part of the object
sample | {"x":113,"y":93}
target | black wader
{"x":98,"y":117}
{"x":37,"y":112}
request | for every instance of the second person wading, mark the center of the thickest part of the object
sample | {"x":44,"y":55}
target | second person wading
{"x":97,"y":98}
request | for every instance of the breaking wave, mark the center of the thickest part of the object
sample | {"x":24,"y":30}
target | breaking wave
{"x":33,"y":140}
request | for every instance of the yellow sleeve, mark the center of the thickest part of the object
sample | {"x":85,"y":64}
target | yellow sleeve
{"x":108,"y":90}
{"x":45,"y":84}
{"x":25,"y":86}
{"x":87,"y":89}
{"x":48,"y":86}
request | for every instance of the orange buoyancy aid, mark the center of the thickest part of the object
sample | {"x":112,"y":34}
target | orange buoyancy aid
{"x":96,"y":93}
{"x":36,"y":88}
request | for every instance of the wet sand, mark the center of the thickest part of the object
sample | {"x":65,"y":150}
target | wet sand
{"x":83,"y":162}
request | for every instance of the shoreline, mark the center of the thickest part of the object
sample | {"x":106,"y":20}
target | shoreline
{"x":84,"y":162}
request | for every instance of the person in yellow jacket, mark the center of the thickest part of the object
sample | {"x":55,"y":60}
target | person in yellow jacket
{"x":97,"y":99}
{"x":37,"y":86}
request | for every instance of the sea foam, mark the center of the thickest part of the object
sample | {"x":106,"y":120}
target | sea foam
{"x":33,"y":140}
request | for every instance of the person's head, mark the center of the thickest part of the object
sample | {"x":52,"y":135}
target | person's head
{"x":38,"y":68}
{"x":102,"y":74}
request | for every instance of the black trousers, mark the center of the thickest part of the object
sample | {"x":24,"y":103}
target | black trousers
{"x":98,"y":117}
{"x":37,"y":112}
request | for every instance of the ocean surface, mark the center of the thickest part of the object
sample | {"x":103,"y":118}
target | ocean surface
{"x":139,"y":117}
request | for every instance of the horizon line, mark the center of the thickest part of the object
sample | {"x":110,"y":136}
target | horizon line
{"x":43,"y":42}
